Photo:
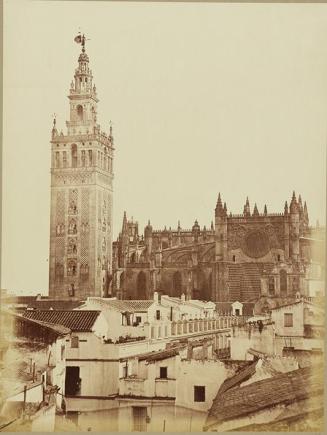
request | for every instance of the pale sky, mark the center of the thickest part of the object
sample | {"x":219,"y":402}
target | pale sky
{"x":203,"y":98}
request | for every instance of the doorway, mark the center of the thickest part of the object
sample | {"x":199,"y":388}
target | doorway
{"x":73,"y":381}
{"x":139,"y":419}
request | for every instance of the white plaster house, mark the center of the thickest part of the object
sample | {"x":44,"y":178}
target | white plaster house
{"x":299,"y":326}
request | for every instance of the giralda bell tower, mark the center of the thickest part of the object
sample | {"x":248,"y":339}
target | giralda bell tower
{"x":81,"y":195}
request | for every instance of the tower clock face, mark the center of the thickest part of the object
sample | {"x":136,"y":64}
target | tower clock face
{"x":256,"y":244}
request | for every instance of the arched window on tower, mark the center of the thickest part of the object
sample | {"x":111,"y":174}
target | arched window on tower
{"x":283,"y":282}
{"x":80,"y":112}
{"x":74,"y":155}
{"x":177,"y":284}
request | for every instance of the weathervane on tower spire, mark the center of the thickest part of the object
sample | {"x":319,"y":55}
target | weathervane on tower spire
{"x":80,"y":39}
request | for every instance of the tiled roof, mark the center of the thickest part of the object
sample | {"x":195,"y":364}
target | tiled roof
{"x":127,"y":305}
{"x":162,"y":354}
{"x":284,"y":388}
{"x":57,"y":329}
{"x":55,"y":304}
{"x":76,"y":320}
{"x":241,"y":376}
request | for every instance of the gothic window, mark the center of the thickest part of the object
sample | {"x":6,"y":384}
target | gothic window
{"x":271,"y":285}
{"x":90,"y":157}
{"x":72,"y":268}
{"x":234,"y":258}
{"x":98,"y":158}
{"x":141,"y":285}
{"x":283,"y":282}
{"x":72,"y":229}
{"x":74,"y":155}
{"x":83,"y":158}
{"x":177,"y":284}
{"x":64,"y":159}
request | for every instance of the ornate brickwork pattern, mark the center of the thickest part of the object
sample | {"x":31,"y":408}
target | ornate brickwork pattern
{"x":85,"y":213}
{"x":60,"y":226}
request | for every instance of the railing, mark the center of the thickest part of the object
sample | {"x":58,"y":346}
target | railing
{"x":139,"y":387}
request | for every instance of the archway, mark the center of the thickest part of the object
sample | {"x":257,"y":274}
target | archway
{"x":141,"y":285}
{"x":177,"y":284}
{"x":204,"y":287}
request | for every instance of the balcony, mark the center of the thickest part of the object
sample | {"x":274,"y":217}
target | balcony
{"x":139,"y":387}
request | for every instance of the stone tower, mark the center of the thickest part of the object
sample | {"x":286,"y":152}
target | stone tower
{"x":80,"y":261}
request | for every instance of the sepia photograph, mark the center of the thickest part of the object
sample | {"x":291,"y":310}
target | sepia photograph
{"x":163,"y":216}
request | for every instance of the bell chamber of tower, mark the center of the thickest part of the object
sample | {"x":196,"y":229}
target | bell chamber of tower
{"x":80,"y":262}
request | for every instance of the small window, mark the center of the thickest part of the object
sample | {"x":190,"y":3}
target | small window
{"x":138,"y":319}
{"x":163,"y":372}
{"x":234,"y":258}
{"x":158,"y":314}
{"x":278,"y":257}
{"x":288,"y":319}
{"x":199,"y":393}
{"x":74,"y":342}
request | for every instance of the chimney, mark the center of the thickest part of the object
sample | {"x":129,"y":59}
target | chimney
{"x":156,"y":297}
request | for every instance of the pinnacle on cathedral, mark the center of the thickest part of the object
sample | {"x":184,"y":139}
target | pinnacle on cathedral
{"x":219,"y":206}
{"x":246,"y":210}
{"x":293,"y":204}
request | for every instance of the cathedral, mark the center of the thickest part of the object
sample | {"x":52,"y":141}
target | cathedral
{"x":241,"y":257}
{"x":81,"y":195}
